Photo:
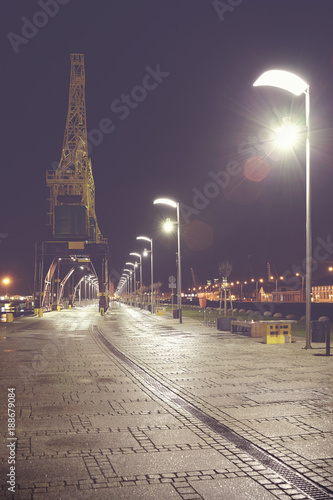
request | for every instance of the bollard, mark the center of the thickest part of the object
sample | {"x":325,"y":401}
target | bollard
{"x":40,"y":312}
{"x":328,"y":338}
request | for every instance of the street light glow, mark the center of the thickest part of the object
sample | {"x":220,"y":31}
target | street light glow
{"x":283,"y":80}
{"x":168,"y":226}
{"x":286,"y":136}
{"x":165,"y":201}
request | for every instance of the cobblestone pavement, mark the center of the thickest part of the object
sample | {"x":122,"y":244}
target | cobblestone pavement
{"x":135,"y":406}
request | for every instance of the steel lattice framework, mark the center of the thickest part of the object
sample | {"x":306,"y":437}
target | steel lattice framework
{"x":76,"y":247}
{"x":72,"y":184}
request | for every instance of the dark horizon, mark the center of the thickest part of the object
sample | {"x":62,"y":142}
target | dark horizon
{"x":192,"y":137}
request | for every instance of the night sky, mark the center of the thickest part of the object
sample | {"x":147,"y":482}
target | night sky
{"x":197,"y":120}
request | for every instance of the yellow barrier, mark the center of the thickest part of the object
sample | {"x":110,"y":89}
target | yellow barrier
{"x":40,"y":312}
{"x":9,"y":317}
{"x":278,"y":333}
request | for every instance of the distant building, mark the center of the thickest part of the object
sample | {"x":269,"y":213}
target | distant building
{"x":280,"y":296}
{"x":322,"y":293}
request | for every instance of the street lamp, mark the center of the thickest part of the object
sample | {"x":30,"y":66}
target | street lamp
{"x":302,"y":277}
{"x":140,"y":257}
{"x":134,"y":278}
{"x":129,"y":279}
{"x":6,"y":282}
{"x":123,"y":285}
{"x":150,"y":240}
{"x":276,"y":285}
{"x":257,"y":285}
{"x":295,"y":85}
{"x":174,"y":204}
{"x":242,"y":296}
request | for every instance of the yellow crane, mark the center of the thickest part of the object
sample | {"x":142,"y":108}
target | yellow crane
{"x":71,"y":186}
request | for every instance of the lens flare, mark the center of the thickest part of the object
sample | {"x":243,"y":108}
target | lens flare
{"x":286,"y":137}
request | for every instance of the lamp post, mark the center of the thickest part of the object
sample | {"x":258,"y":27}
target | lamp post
{"x":174,"y":204}
{"x":302,"y":287}
{"x":295,"y":85}
{"x":257,"y":285}
{"x":245,"y":283}
{"x":129,"y":271}
{"x":134,"y":278}
{"x":140,"y":263}
{"x":123,"y":286}
{"x":150,"y":240}
{"x":276,"y":285}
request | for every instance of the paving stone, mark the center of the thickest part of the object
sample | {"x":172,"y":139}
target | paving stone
{"x":273,"y":428}
{"x":52,"y":469}
{"x":235,"y":488}
{"x":126,"y":421}
{"x":173,"y":436}
{"x":74,"y":442}
{"x":312,"y":449}
{"x":267,"y":410}
{"x":283,"y":396}
{"x":164,"y":462}
{"x":39,"y":424}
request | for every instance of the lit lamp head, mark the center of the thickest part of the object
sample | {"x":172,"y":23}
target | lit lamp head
{"x":130,"y":264}
{"x":168,"y":225}
{"x":283,"y":80}
{"x":287,"y":135}
{"x":165,"y":201}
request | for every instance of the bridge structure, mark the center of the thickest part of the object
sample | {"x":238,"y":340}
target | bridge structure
{"x":75,"y":250}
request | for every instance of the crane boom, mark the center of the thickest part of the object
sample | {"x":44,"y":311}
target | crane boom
{"x":72,"y":188}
